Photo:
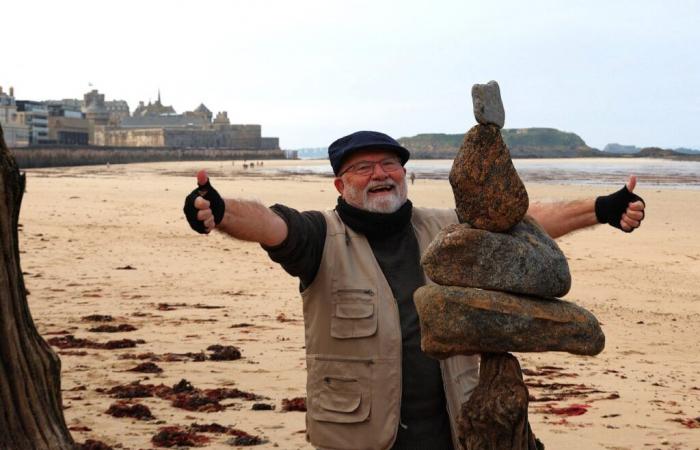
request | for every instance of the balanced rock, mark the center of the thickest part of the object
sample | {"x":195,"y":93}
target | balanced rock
{"x":462,"y":321}
{"x":524,"y":260}
{"x":489,"y":194}
{"x":488,"y":106}
{"x":495,"y":416}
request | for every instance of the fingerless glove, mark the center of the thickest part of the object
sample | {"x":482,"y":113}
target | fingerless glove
{"x":216,"y":204}
{"x":609,"y":208}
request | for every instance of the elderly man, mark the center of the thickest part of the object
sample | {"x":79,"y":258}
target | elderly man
{"x":369,"y":386}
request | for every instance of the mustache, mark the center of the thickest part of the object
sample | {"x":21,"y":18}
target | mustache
{"x":380,"y":184}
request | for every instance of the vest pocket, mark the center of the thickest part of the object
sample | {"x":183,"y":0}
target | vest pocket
{"x":338,"y":390}
{"x":353,"y":314}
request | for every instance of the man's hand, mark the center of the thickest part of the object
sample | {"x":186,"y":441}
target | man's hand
{"x":623,"y":209}
{"x":204,"y":207}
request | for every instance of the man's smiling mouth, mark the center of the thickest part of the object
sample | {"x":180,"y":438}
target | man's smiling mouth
{"x":381,"y":189}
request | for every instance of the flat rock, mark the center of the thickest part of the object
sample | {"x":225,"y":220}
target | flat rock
{"x":523,"y":260}
{"x":489,"y":194}
{"x":488,"y":106}
{"x":463,"y":321}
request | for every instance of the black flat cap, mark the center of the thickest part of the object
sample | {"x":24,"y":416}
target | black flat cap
{"x":363,"y":140}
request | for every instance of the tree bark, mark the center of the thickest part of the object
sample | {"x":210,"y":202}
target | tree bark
{"x":31,"y":412}
{"x":495,"y":416}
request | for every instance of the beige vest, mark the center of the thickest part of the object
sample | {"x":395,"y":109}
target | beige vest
{"x":353,"y":344}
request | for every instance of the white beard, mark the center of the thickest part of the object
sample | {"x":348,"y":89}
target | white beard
{"x":386,"y":203}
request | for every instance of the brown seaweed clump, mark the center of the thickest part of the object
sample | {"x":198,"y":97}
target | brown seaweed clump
{"x":135,"y":410}
{"x":182,"y":395}
{"x":147,"y":367}
{"x":70,"y":341}
{"x":174,"y":436}
{"x":97,"y":318}
{"x":92,"y":444}
{"x":262,"y":407}
{"x":245,"y":440}
{"x":241,"y":437}
{"x":166,"y":357}
{"x":121,"y":328}
{"x":196,"y":402}
{"x":131,"y":390}
{"x":209,"y":428}
{"x":295,"y":404}
{"x":224,"y":352}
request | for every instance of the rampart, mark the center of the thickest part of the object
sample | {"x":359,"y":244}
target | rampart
{"x":224,"y":136}
{"x":61,"y":156}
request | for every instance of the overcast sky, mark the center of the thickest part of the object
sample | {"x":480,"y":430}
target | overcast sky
{"x":312,"y":71}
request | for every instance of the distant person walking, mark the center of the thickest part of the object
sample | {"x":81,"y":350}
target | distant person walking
{"x":413,"y":177}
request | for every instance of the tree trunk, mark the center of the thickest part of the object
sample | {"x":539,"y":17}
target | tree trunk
{"x":31,"y":414}
{"x":495,"y":416}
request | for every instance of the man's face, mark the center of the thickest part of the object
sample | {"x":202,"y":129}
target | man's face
{"x":383,"y":191}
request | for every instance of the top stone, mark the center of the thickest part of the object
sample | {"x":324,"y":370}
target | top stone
{"x":488,"y":106}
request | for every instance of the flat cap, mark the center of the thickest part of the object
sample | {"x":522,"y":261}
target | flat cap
{"x":363,"y":140}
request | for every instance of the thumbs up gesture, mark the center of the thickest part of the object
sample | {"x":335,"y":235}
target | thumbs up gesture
{"x":204,"y":207}
{"x":623,"y":209}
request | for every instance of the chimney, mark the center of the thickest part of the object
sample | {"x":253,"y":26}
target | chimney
{"x":12,"y":91}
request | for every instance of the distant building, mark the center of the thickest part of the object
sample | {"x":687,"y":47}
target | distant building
{"x":153,"y":109}
{"x":96,"y":121}
{"x":158,"y":125}
{"x":16,"y":133}
{"x":202,"y":111}
{"x":96,"y":113}
{"x":67,"y":125}
{"x":118,"y":109}
{"x":35,"y":115}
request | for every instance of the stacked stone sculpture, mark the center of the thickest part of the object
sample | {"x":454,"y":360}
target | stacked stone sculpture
{"x":499,"y":276}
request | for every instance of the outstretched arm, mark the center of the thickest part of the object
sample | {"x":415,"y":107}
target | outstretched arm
{"x":561,"y":218}
{"x":242,"y":219}
{"x":245,"y":220}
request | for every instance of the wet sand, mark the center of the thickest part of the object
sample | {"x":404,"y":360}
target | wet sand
{"x":113,"y":241}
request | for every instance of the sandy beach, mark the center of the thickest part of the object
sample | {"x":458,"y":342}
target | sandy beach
{"x":114,"y":241}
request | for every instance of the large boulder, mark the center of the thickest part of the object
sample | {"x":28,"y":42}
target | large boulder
{"x":523,"y":260}
{"x":460,"y":320}
{"x":488,"y":192}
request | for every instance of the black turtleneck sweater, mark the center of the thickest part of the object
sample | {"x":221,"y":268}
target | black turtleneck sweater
{"x":425,"y":424}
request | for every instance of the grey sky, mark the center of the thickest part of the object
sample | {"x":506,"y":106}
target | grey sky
{"x":311,"y":71}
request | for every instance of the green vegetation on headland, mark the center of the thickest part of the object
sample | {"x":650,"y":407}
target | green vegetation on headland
{"x":527,"y":143}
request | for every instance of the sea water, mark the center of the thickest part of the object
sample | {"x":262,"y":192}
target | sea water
{"x":650,"y":171}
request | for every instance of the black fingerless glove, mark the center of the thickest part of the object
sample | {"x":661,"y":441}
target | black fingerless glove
{"x":216,"y":204}
{"x":609,"y":208}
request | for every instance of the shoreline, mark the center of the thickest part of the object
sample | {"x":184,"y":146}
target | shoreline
{"x":576,"y":172}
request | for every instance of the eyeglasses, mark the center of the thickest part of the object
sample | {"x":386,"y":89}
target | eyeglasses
{"x":365,"y":168}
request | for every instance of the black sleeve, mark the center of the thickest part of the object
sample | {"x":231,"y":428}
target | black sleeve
{"x":301,"y":252}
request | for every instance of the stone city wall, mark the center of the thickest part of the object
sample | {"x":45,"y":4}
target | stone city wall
{"x":244,"y":137}
{"x":269,"y":143}
{"x":235,"y":136}
{"x":129,"y":138}
{"x":61,"y":156}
